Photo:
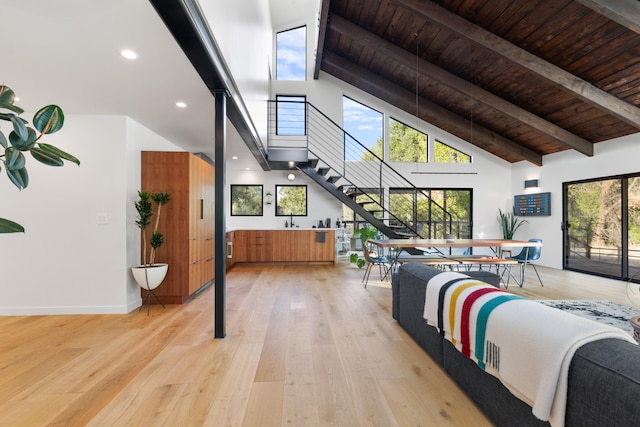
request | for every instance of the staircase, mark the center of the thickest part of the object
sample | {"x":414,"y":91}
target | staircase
{"x":302,"y":135}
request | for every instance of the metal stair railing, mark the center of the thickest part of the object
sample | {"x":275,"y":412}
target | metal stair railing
{"x":355,"y":170}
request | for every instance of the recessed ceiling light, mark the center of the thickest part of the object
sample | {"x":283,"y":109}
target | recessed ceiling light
{"x":235,"y":157}
{"x":129,"y":54}
{"x":181,"y":104}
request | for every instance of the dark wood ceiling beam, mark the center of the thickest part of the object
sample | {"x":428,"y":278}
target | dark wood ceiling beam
{"x":543,"y":69}
{"x":324,"y":21}
{"x":430,"y":112}
{"x":433,"y":72}
{"x":624,"y":12}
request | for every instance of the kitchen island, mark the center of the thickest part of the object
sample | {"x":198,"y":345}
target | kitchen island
{"x":315,"y":245}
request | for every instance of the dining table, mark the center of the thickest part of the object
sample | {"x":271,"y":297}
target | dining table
{"x":439,"y":252}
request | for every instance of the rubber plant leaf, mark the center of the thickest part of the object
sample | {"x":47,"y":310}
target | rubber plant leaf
{"x":7,"y":226}
{"x":14,"y":159}
{"x":3,"y":140}
{"x":48,"y":159}
{"x":21,"y":143}
{"x":49,"y":119}
{"x":48,"y":148}
{"x":7,"y":98}
{"x":19,"y":177}
{"x":19,"y":127}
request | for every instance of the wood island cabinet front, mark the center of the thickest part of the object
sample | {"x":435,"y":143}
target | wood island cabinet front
{"x":283,"y":246}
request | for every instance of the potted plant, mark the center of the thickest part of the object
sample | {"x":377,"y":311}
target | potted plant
{"x":365,"y":234}
{"x":509,"y":223}
{"x":24,"y":139}
{"x":150,"y":274}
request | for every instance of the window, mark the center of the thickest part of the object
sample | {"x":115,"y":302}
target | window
{"x":433,"y":213}
{"x":601,"y":227}
{"x":246,"y":200}
{"x":291,"y":54}
{"x":291,"y":200}
{"x":291,"y":116}
{"x":364,"y":125}
{"x":446,"y":154}
{"x":406,"y":144}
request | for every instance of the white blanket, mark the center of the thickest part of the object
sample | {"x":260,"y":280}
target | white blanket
{"x":533,"y":343}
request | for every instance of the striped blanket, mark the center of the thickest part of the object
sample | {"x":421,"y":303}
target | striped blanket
{"x":527,"y":345}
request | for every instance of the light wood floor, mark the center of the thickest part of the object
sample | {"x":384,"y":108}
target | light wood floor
{"x":305,"y":345}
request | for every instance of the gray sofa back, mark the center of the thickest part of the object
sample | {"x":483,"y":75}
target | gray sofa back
{"x":604,"y":376}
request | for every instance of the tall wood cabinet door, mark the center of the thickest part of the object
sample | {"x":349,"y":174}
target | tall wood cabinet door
{"x":200,"y":199}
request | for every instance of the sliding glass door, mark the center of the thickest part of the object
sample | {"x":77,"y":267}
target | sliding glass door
{"x":602,"y":226}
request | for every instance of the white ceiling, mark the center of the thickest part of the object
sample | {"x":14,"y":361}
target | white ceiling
{"x":67,"y":52}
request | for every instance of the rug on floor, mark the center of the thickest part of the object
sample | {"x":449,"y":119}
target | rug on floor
{"x":607,"y":312}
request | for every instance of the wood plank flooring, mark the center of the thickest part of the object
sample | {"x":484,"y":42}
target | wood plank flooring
{"x":305,"y":346}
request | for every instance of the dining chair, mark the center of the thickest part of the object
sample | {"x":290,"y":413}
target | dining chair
{"x":524,"y":258}
{"x":381,"y":261}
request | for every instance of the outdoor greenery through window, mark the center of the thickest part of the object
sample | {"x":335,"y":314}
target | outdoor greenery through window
{"x":365,"y":126}
{"x":430,"y":212}
{"x":246,"y":200}
{"x":406,"y":144}
{"x":291,"y":200}
{"x":291,"y":54}
{"x":446,"y":154}
{"x":291,"y":115}
{"x":602,"y":226}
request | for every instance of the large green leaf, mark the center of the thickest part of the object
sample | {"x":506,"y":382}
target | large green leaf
{"x":14,"y":159}
{"x":19,"y":126}
{"x":7,"y":226}
{"x":48,"y":148}
{"x":49,"y":119}
{"x":7,"y":98}
{"x":3,"y":140}
{"x":23,"y":143}
{"x":19,"y":177}
{"x":48,"y":159}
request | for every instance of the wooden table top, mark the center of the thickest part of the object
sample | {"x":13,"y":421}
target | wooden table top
{"x":457,"y":243}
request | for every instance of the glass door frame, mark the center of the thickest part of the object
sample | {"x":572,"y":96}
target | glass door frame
{"x":624,"y":225}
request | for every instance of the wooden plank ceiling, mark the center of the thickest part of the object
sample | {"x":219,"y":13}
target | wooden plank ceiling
{"x":517,"y":78}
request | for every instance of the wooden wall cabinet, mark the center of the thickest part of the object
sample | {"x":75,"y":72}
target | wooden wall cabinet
{"x":187,"y":221}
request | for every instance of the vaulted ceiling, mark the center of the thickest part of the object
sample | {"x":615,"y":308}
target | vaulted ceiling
{"x":517,"y":78}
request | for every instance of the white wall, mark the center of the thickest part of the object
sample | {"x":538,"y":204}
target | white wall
{"x":65,"y":262}
{"x":320,"y":204}
{"x":242,"y":30}
{"x":618,"y":156}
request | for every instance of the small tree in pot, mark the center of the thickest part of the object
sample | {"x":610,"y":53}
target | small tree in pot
{"x":144,"y":206}
{"x":149,"y":275}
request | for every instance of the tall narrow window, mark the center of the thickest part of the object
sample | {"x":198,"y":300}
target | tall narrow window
{"x":291,"y":115}
{"x":446,"y":154}
{"x":364,"y":128}
{"x":291,"y":54}
{"x":406,"y":144}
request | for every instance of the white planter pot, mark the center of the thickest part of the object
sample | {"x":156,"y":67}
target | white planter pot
{"x":150,"y":277}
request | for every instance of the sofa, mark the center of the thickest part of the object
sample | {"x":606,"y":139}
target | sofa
{"x":603,"y":379}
